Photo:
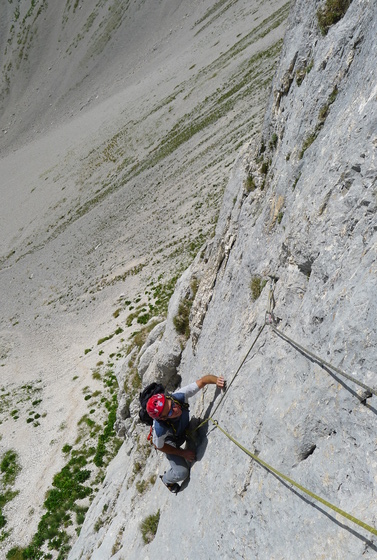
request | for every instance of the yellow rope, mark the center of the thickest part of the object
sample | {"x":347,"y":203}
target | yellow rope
{"x":269,"y":312}
{"x":296,"y":484}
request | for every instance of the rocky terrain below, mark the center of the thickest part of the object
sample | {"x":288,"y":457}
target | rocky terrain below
{"x":120,"y":122}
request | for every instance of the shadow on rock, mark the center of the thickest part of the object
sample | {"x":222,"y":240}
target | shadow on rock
{"x":200,"y":428}
{"x":197,"y":437}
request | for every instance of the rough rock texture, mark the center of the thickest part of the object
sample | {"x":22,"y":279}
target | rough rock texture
{"x":310,"y":222}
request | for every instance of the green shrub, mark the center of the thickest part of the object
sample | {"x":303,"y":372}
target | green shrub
{"x":143,"y":319}
{"x":149,"y":527}
{"x":256,"y":286}
{"x":264,"y":167}
{"x":7,"y":496}
{"x":308,"y":142}
{"x":9,"y":467}
{"x":273,"y":141}
{"x":250,"y":185}
{"x":80,"y":514}
{"x":181,"y":320}
{"x":15,"y":554}
{"x":331,"y":13}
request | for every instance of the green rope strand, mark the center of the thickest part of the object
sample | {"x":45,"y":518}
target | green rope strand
{"x":296,"y":484}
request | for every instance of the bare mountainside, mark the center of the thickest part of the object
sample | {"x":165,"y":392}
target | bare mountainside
{"x":283,"y":303}
{"x":119,"y":123}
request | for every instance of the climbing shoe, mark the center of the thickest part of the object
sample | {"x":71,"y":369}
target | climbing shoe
{"x":173,"y":487}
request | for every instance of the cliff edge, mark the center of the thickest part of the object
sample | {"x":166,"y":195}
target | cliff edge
{"x":300,"y":213}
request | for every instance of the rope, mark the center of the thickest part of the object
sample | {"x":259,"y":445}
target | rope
{"x":233,"y":378}
{"x":270,"y":319}
{"x":296,"y":484}
{"x":323,"y":362}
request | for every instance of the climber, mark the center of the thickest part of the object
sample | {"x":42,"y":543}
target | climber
{"x":171,"y":419}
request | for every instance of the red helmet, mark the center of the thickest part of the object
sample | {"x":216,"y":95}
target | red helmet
{"x":155,"y":405}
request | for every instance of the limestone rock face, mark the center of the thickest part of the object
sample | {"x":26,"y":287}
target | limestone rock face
{"x":150,"y":348}
{"x":300,"y":209}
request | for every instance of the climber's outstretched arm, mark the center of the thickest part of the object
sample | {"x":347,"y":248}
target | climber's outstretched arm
{"x":211,"y":380}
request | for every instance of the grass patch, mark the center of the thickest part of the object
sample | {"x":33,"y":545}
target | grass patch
{"x":303,"y":71}
{"x":9,"y":469}
{"x":182,"y":320}
{"x":308,"y":142}
{"x":139,"y":337}
{"x":79,"y":478}
{"x":68,"y":487}
{"x":249,"y":184}
{"x":331,"y":13}
{"x":256,"y":286}
{"x":149,"y":527}
{"x":108,"y":433}
{"x":273,"y":142}
{"x":264,"y":167}
{"x":322,"y":116}
{"x":324,"y":110}
{"x":15,"y":553}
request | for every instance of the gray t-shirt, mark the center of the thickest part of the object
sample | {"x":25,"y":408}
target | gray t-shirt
{"x":161,"y":430}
